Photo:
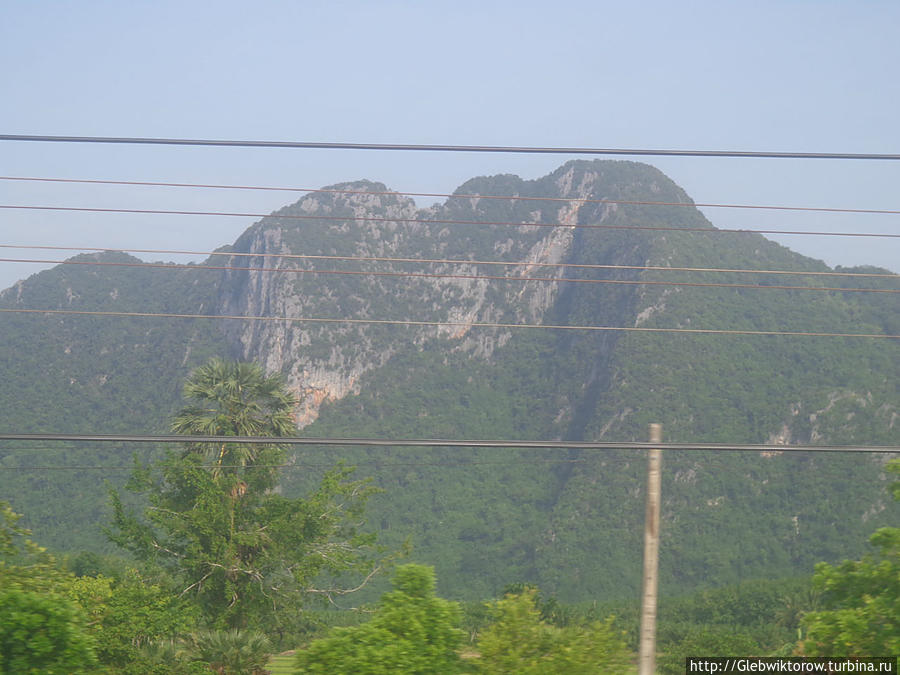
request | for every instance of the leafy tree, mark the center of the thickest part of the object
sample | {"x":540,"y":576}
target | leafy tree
{"x":411,"y":633}
{"x":10,"y":532}
{"x":42,"y":633}
{"x":22,"y":562}
{"x":864,"y":599}
{"x":41,"y":630}
{"x":247,"y":555}
{"x":129,"y":613}
{"x":519,"y":641}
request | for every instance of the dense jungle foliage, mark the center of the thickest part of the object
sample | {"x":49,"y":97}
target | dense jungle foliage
{"x":226,"y":571}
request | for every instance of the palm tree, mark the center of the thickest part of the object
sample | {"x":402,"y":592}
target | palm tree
{"x":235,"y":399}
{"x":247,"y":554}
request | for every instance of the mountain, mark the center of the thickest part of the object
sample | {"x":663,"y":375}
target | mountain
{"x":568,"y":520}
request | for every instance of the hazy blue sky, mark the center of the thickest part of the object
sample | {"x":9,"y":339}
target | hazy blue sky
{"x":812,"y":76}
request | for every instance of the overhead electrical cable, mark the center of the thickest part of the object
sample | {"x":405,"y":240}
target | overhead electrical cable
{"x":447,"y":195}
{"x":305,"y":467}
{"x":310,"y":145}
{"x":449,"y":324}
{"x":447,"y":275}
{"x":449,"y":261}
{"x":377,"y":465}
{"x":439,"y":442}
{"x":430,"y":221}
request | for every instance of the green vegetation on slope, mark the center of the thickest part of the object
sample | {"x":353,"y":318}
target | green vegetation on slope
{"x":80,"y":374}
{"x":569,"y":521}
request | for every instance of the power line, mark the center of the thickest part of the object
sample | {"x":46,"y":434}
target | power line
{"x":439,"y":443}
{"x":307,"y":465}
{"x":450,"y":261}
{"x":373,"y":467}
{"x":746,"y":154}
{"x":447,"y":195}
{"x":447,"y":275}
{"x":456,"y":324}
{"x":428,"y":221}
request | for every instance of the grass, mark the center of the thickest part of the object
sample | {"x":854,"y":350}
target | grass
{"x":282,"y":664}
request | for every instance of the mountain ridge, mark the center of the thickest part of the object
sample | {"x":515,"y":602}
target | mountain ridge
{"x":486,"y":521}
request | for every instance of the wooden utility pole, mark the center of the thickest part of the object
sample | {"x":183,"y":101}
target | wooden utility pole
{"x":647,"y":662}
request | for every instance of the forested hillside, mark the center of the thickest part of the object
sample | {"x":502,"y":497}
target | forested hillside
{"x":87,"y":374}
{"x":567,"y":520}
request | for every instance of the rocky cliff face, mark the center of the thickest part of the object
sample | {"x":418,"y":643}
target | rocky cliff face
{"x":324,"y":361}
